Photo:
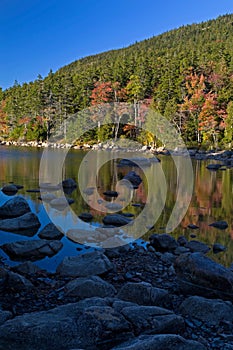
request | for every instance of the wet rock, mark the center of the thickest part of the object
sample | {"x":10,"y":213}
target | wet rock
{"x":160,"y":342}
{"x":133,"y":178}
{"x":222,"y":225}
{"x":163,"y":242}
{"x":116,"y":220}
{"x":93,"y":286}
{"x":50,"y":232}
{"x":31,"y":250}
{"x":181,"y":250}
{"x":214,"y":166}
{"x":14,"y":207}
{"x":28,"y":221}
{"x":217,"y":248}
{"x":153,"y":320}
{"x":142,"y":294}
{"x":87,"y":217}
{"x":196,"y":246}
{"x":210,"y":311}
{"x":111,"y":193}
{"x":66,"y":327}
{"x":197,"y":274}
{"x":89,"y":191}
{"x":81,"y":236}
{"x":10,"y":190}
{"x":69,"y":183}
{"x":88,"y":264}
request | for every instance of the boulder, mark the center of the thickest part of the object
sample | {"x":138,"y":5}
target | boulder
{"x":87,"y":287}
{"x":163,"y":242}
{"x":69,"y":183}
{"x":88,"y":264}
{"x":27,"y":222}
{"x":209,"y":311}
{"x":153,"y":320}
{"x":198,"y":274}
{"x":160,"y":342}
{"x":133,"y":178}
{"x":72,"y":326}
{"x":116,"y":220}
{"x":221,"y":225}
{"x":50,"y":232}
{"x":142,"y":294}
{"x":31,"y":250}
{"x":86,"y":217}
{"x":14,"y":207}
{"x":196,"y":246}
{"x":10,"y":190}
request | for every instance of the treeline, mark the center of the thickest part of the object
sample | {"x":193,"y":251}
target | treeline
{"x":185,"y":74}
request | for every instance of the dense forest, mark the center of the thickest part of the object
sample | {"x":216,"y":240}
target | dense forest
{"x":185,"y":74}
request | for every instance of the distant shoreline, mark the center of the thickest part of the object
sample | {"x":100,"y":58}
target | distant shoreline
{"x":225,"y":156}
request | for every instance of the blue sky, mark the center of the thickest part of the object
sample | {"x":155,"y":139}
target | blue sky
{"x":39,"y":35}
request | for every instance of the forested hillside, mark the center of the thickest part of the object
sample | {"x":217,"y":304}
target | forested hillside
{"x":185,"y":74}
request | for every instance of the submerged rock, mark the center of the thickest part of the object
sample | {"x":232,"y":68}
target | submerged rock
{"x":14,"y":207}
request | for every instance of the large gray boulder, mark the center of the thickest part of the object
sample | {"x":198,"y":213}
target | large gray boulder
{"x":27,"y":223}
{"x":142,"y":294}
{"x":88,"y":264}
{"x":199,"y":275}
{"x":14,"y":207}
{"x":210,"y":311}
{"x":87,"y":287}
{"x":72,"y":326}
{"x":153,"y":320}
{"x":31,"y":250}
{"x":160,"y":342}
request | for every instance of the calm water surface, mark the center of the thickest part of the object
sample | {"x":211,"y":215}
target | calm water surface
{"x":211,"y":201}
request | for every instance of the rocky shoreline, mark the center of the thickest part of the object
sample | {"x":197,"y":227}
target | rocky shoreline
{"x":224,"y":156}
{"x":156,"y":297}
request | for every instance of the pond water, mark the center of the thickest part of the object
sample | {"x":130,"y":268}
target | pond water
{"x":211,"y":200}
